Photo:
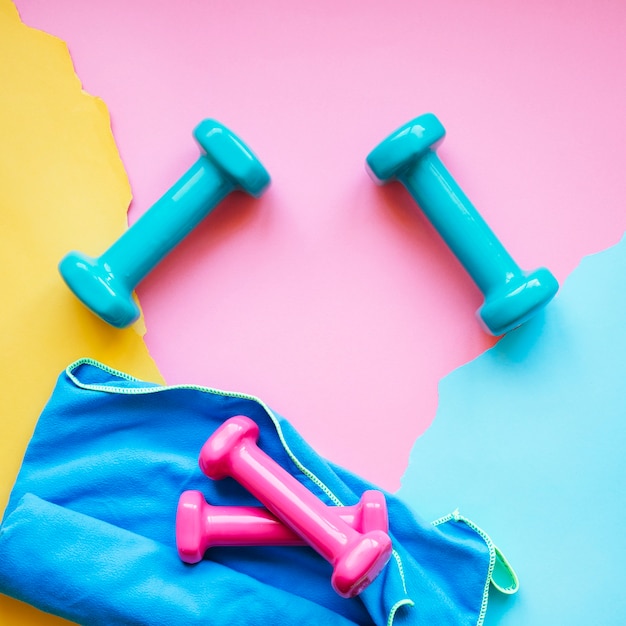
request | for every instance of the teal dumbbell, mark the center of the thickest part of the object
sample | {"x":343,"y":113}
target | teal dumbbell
{"x":512,"y":296}
{"x":105,"y":284}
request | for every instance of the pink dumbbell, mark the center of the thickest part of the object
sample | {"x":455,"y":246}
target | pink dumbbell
{"x":357,"y":558}
{"x":200,"y":526}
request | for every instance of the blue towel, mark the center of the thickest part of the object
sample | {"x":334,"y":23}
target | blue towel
{"x":89,"y":530}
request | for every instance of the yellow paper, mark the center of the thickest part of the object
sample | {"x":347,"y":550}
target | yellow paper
{"x":62,"y":187}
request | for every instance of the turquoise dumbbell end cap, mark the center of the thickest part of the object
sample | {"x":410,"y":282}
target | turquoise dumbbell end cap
{"x":404,"y":146}
{"x":98,"y":289}
{"x":231,"y":155}
{"x":510,"y":307}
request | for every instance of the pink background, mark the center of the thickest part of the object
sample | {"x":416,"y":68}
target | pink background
{"x":332,"y":299}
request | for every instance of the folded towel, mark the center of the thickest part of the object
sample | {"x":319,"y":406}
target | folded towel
{"x":91,"y":519}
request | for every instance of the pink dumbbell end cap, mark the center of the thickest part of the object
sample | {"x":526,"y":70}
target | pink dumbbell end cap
{"x":190,"y":527}
{"x":362,"y":564}
{"x":214,"y":457}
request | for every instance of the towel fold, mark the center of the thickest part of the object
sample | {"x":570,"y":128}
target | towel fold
{"x":96,"y":573}
{"x":88,"y":533}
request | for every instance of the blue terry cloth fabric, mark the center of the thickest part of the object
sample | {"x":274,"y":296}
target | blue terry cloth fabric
{"x":91,"y":519}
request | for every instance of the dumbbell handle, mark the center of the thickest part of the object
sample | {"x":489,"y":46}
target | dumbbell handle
{"x":458,"y":222}
{"x":169,"y":220}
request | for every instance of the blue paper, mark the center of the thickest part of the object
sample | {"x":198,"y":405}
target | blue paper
{"x":91,"y":518}
{"x":530,"y":441}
